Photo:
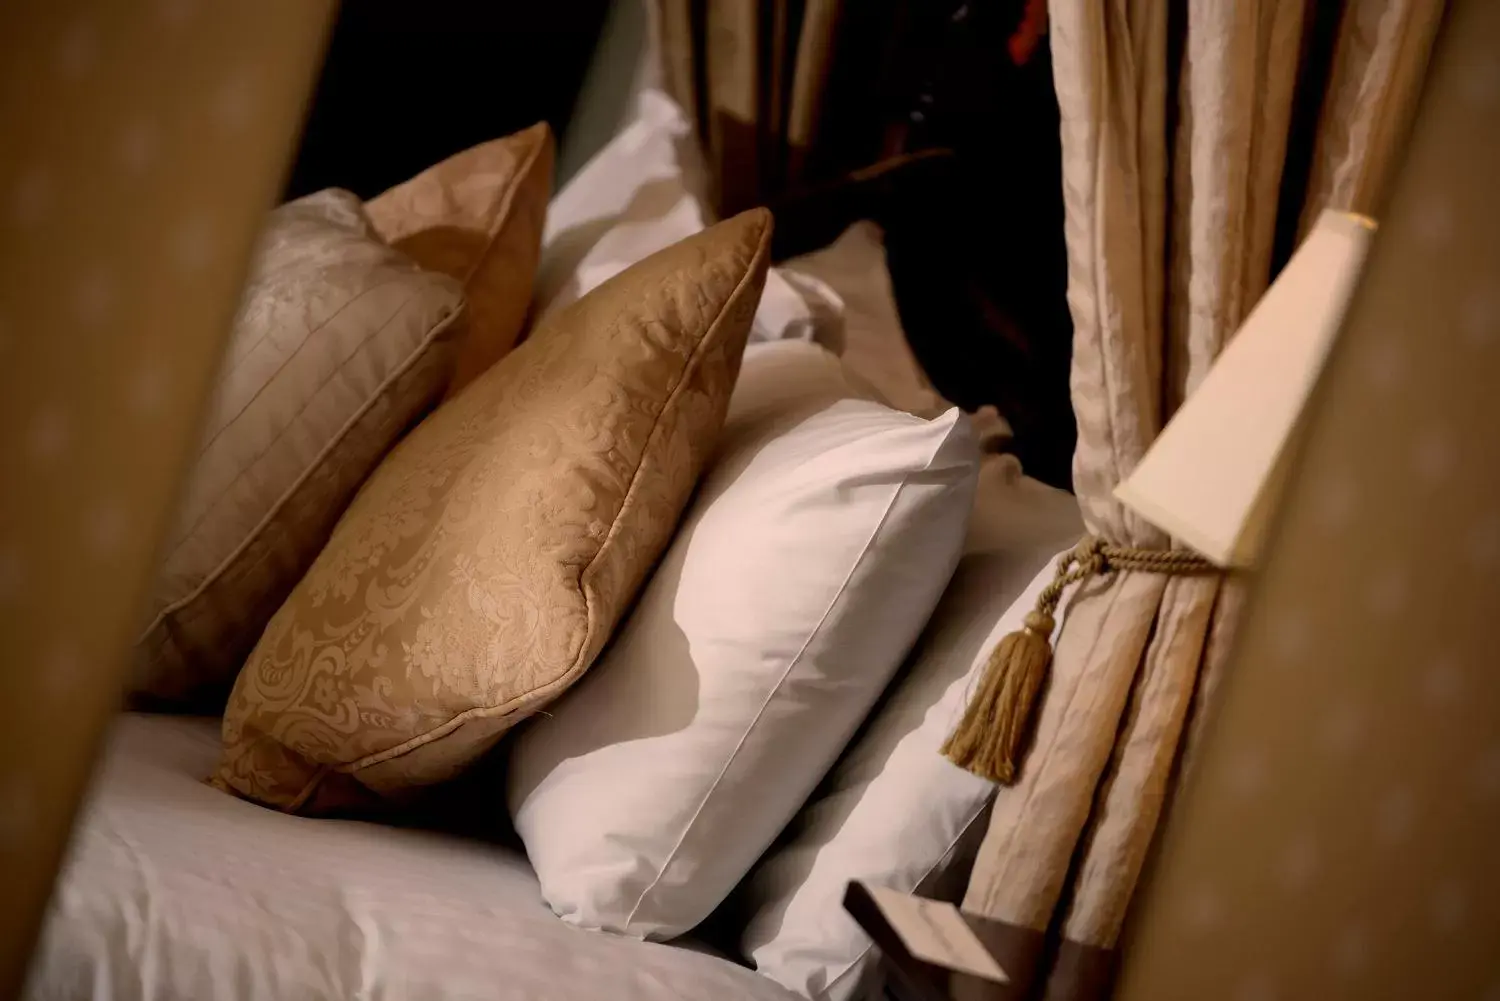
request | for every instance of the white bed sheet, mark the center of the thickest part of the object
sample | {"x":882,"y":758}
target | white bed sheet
{"x":176,"y":891}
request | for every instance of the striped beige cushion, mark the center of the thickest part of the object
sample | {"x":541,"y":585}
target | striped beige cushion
{"x":341,"y":343}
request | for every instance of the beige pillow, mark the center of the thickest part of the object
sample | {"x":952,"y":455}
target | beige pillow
{"x":341,"y":343}
{"x":477,"y":216}
{"x":485,"y":563}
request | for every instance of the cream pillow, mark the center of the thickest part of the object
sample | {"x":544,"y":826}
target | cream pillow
{"x":817,"y":545}
{"x":477,"y":216}
{"x":482,"y":567}
{"x":340,"y":344}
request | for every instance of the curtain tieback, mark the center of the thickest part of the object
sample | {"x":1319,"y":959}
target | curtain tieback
{"x":988,"y":740}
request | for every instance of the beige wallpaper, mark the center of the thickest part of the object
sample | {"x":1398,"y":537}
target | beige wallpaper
{"x":1340,"y":835}
{"x":140,"y":144}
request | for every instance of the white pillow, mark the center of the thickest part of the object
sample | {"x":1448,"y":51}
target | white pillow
{"x":895,"y":811}
{"x":639,"y":194}
{"x":819,"y":542}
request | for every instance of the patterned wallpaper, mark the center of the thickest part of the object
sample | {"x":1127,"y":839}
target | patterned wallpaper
{"x":1339,"y":837}
{"x":140,"y":144}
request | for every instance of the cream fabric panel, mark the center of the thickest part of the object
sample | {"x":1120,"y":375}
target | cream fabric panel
{"x":1133,"y":788}
{"x":1109,"y":68}
{"x":140,"y":145}
{"x":1336,"y":838}
{"x":1378,"y":66}
{"x":1150,"y":316}
{"x":1236,"y":88}
{"x":1023,"y":862}
{"x":1109,"y":65}
{"x":1234,"y":99}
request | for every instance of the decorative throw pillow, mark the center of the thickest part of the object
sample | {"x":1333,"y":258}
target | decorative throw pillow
{"x":818,"y":544}
{"x":894,"y":811}
{"x":477,"y":216}
{"x":482,"y":567}
{"x":340,"y":344}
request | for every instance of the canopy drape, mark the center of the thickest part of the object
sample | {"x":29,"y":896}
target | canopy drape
{"x":1175,"y":119}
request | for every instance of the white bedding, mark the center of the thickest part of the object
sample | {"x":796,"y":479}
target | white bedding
{"x":176,"y":891}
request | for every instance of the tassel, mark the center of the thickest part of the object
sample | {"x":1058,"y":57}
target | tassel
{"x":997,"y":723}
{"x":990,"y":737}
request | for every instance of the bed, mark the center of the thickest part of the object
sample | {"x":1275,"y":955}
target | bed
{"x":174,"y":890}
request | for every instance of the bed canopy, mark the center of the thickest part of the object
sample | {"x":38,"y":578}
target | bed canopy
{"x":1197,"y":138}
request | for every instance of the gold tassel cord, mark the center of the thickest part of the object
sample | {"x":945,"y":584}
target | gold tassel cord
{"x":997,"y":721}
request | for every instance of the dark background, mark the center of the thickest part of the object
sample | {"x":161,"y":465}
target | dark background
{"x":973,"y":231}
{"x":405,"y":84}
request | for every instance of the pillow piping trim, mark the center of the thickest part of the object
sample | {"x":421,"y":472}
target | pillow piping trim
{"x":338,"y":370}
{"x":433,"y":333}
{"x":762,"y":251}
{"x":785,"y":674}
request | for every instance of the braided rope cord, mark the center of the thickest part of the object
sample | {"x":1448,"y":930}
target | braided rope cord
{"x":1093,"y":556}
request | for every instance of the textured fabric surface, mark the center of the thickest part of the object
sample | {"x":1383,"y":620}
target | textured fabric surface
{"x":1126,"y":662}
{"x":755,"y":79}
{"x":895,"y":812}
{"x":819,"y":542}
{"x":340,"y":344}
{"x":478,"y":217}
{"x":1376,"y":75}
{"x":484,"y":564}
{"x":1150,"y":314}
{"x":643,"y":191}
{"x":174,"y":892}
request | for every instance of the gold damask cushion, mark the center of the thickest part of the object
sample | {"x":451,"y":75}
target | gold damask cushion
{"x":477,"y":216}
{"x":483,"y":566}
{"x":341,"y":344}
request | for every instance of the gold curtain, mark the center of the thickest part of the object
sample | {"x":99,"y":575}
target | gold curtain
{"x":753,"y":76}
{"x":140,"y":146}
{"x":1170,"y":238}
{"x":1335,"y":838}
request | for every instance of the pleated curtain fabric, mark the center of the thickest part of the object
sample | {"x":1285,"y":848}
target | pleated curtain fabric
{"x":1378,"y":67}
{"x":140,"y":147}
{"x":1173,"y":152}
{"x":753,"y":76}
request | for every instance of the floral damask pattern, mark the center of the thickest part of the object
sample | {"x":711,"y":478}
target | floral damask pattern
{"x":483,"y":566}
